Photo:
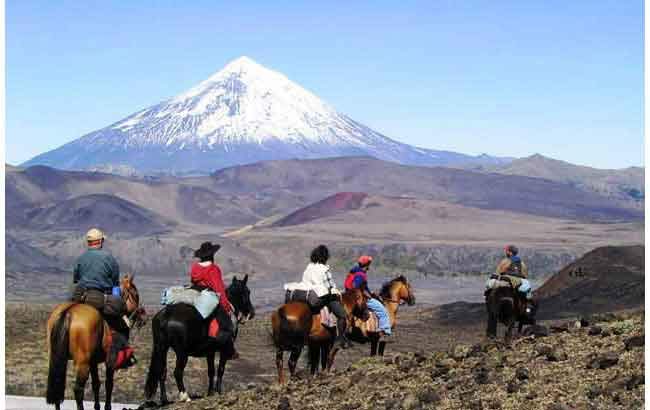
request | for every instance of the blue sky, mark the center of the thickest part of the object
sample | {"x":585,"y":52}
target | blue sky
{"x":514,"y":78}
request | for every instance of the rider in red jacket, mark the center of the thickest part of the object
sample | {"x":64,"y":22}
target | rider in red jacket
{"x":206,"y":274}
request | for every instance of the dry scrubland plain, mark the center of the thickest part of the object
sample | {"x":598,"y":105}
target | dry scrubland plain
{"x":267,"y":216}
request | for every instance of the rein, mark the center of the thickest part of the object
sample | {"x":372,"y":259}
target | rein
{"x":135,"y":316}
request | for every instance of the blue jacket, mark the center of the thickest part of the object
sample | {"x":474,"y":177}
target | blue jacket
{"x":97,"y":269}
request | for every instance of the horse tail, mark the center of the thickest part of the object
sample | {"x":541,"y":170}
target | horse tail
{"x":59,"y":352}
{"x":293,"y":334}
{"x":158,"y":359}
{"x":507,"y":308}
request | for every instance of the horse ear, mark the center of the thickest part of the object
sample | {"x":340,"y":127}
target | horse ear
{"x":246,"y":279}
{"x":234,"y":279}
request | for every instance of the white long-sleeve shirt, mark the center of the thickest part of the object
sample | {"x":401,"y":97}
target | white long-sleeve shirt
{"x":318,"y":278}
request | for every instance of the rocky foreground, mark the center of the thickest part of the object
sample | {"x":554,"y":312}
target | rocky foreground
{"x":594,"y":363}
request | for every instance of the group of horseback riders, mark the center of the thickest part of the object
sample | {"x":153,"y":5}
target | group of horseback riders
{"x":202,"y":318}
{"x":96,"y":278}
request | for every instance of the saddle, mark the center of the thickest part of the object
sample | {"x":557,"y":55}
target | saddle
{"x":500,"y":281}
{"x":108,"y":305}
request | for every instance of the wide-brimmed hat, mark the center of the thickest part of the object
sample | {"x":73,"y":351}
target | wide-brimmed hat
{"x":206,"y":250}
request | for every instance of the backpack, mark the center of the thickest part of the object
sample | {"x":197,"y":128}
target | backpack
{"x":515,"y":268}
{"x":349,"y":281}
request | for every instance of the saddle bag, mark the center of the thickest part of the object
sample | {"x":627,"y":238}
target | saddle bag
{"x":93,"y":298}
{"x":204,"y":301}
{"x":114,"y":306}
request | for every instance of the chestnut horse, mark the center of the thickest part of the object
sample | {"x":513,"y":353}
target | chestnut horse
{"x":392,"y":295}
{"x":294,"y":325}
{"x":78,"y":331}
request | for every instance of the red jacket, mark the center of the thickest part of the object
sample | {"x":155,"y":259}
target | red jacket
{"x":210,"y":277}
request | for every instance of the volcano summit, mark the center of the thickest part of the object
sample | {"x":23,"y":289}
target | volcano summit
{"x":242,"y":114}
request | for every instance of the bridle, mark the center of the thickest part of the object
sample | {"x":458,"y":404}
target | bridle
{"x":136,"y":317}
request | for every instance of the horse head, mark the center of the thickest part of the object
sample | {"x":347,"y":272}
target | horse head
{"x":131,"y":299}
{"x":405,"y":292}
{"x":398,"y":290}
{"x":240,"y":296}
{"x":356,"y":303}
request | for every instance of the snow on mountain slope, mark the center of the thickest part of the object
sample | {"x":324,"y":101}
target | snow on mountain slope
{"x":242,"y":114}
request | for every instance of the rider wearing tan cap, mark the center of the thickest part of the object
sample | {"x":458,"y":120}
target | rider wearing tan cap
{"x":97,"y":280}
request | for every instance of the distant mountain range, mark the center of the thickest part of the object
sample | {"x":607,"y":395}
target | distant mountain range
{"x":242,"y":114}
{"x":626,"y":184}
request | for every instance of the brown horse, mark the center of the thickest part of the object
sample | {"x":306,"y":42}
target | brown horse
{"x":294,"y":325}
{"x":77,"y":331}
{"x":392,"y":295}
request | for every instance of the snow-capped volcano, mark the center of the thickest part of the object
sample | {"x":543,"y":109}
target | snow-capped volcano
{"x":243,"y":113}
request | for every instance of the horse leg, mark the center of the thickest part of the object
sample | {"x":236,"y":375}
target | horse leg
{"x":110,"y":374}
{"x":220,"y":371}
{"x":382,"y":347}
{"x":314,"y":352}
{"x":374,"y":341}
{"x":293,"y":360}
{"x":330,"y":358}
{"x":510,"y":326}
{"x":163,"y":380}
{"x":492,"y":325}
{"x":181,"y":362}
{"x":80,"y":384}
{"x":324,"y":354}
{"x":210,"y":359}
{"x":279,"y":363}
{"x":94,"y":378}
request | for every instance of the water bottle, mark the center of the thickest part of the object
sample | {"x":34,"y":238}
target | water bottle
{"x":117,"y":292}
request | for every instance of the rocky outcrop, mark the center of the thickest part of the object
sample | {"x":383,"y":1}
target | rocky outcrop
{"x":574,"y":369}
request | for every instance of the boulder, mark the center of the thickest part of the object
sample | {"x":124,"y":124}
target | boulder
{"x":284,"y":403}
{"x":460,"y":352}
{"x":556,"y":355}
{"x":536,"y":330}
{"x":634,"y":341}
{"x":428,"y":395}
{"x":602,"y":361}
{"x":522,"y":373}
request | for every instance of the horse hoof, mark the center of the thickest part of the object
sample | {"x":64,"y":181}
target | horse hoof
{"x":183,"y":396}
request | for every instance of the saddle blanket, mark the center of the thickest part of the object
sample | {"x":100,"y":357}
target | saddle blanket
{"x":369,"y":326}
{"x":204,"y":301}
{"x":327,"y":318}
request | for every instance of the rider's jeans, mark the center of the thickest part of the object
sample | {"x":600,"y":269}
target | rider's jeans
{"x":382,"y":315}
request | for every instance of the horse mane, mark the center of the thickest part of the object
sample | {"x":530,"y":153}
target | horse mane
{"x":385,"y":288}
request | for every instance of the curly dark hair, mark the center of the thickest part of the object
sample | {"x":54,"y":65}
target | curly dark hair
{"x":320,"y":254}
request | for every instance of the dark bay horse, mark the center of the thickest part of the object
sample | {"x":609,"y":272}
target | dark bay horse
{"x":393,"y":294}
{"x":294,"y":325}
{"x":505,"y":305}
{"x":77,"y":331}
{"x":181,"y":328}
